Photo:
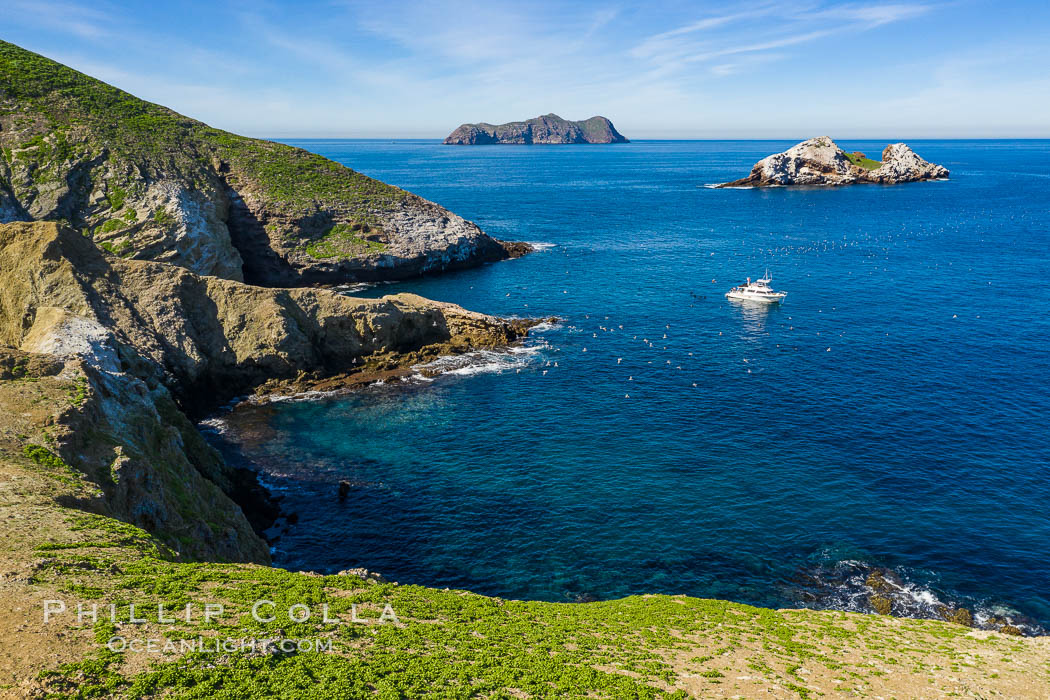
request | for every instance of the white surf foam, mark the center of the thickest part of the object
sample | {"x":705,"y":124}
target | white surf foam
{"x":479,"y":362}
{"x":216,"y":425}
{"x":546,"y":326}
{"x":312,"y":395}
{"x":355,"y":287}
{"x":844,"y":585}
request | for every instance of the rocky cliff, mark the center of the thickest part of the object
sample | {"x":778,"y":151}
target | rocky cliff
{"x":548,"y":129}
{"x":146,"y":343}
{"x":147,"y":183}
{"x":820,"y":161}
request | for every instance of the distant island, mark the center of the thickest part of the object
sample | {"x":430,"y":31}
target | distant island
{"x":820,"y":161}
{"x":547,"y":129}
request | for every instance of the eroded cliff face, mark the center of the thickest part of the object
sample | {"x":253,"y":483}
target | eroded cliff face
{"x":547,"y":129}
{"x":127,"y":448}
{"x":143,"y":343}
{"x":819,"y":161}
{"x":409,"y":237}
{"x":147,"y":183}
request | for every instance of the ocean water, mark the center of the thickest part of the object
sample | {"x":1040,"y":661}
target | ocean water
{"x":891,"y":413}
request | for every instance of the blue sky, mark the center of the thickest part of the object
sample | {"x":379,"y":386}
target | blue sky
{"x":962,"y":68}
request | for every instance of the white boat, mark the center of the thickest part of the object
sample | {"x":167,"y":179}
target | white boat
{"x":759,"y":290}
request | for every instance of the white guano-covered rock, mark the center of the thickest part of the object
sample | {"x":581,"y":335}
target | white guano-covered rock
{"x":901,"y":164}
{"x":820,"y":161}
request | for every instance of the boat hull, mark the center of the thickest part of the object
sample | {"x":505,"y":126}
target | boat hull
{"x":763,"y":298}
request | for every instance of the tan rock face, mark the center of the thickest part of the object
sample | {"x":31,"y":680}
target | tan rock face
{"x":129,"y":451}
{"x":200,"y":335}
{"x":135,"y":344}
{"x":819,"y":161}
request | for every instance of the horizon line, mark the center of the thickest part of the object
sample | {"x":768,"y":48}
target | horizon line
{"x":664,"y":138}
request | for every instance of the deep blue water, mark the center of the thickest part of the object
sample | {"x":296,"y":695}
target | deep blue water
{"x":893,"y":412}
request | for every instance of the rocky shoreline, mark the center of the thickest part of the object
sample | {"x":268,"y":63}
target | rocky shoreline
{"x":820,"y":161}
{"x":159,"y":346}
{"x":857,"y":586}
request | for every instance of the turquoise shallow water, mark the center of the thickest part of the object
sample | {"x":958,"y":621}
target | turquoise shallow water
{"x":891,"y":413}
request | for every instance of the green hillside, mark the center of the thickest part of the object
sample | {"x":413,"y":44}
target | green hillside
{"x":147,"y":182}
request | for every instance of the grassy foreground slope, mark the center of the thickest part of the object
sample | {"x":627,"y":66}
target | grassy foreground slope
{"x":146,"y":182}
{"x":445,"y":644}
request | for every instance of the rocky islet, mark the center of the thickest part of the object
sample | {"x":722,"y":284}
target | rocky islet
{"x":820,"y":161}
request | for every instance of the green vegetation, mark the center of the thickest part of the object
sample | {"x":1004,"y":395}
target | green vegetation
{"x":45,"y":155}
{"x":45,"y":458}
{"x":112,"y":225}
{"x":53,"y":465}
{"x":36,"y":142}
{"x":79,"y":391}
{"x":116,"y":198}
{"x":862,"y":161}
{"x":122,"y":248}
{"x":300,"y":179}
{"x":163,"y":217}
{"x":157,"y":141}
{"x":447,"y":644}
{"x":344,"y":241}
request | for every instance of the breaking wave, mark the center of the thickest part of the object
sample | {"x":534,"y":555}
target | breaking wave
{"x":479,"y":362}
{"x":215,"y":426}
{"x":351,"y":288}
{"x":856,"y":586}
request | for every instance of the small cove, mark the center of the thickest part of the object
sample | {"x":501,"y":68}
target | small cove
{"x":890,"y":414}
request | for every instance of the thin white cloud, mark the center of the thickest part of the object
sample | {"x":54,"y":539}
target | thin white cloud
{"x":601,"y":18}
{"x":93,"y":23}
{"x":714,"y":37}
{"x":662,"y":42}
{"x":763,"y":46}
{"x":874,"y":15}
